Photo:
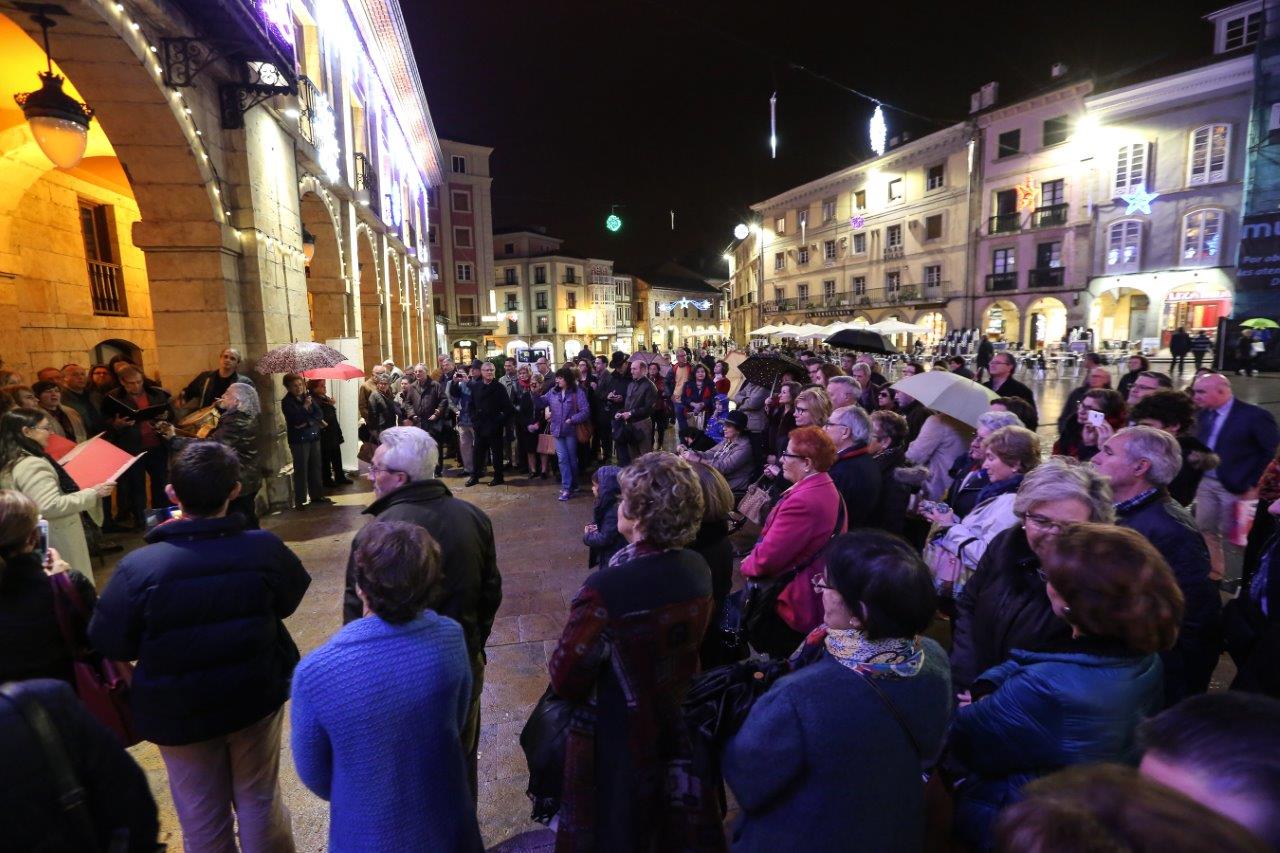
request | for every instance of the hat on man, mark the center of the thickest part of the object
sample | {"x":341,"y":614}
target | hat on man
{"x":736,"y":419}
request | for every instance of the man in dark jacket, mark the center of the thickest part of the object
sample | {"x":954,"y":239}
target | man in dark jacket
{"x":212,"y":384}
{"x":1140,"y":462}
{"x":982,"y":361}
{"x":637,"y":415}
{"x":201,"y":609}
{"x":134,"y":437}
{"x":1002,"y":382}
{"x":612,"y":392}
{"x":472,"y":590}
{"x":491,"y":410}
{"x":1179,"y":346}
{"x":855,"y":472}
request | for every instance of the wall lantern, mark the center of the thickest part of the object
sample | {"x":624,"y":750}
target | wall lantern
{"x":59,"y":123}
{"x":308,"y":246}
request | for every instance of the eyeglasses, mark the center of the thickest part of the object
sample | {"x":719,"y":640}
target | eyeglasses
{"x":820,"y":583}
{"x":787,"y":455}
{"x":375,"y":470}
{"x":1048,"y":525}
{"x":802,"y":408}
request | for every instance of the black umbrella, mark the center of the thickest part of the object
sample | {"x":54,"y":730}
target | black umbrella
{"x":861,"y":340}
{"x":765,"y":370}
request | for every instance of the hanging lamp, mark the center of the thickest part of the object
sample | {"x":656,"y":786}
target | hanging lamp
{"x":59,"y":123}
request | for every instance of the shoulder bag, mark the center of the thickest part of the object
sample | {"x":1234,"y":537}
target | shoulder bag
{"x":582,"y":431}
{"x":102,"y":685}
{"x":757,"y":502}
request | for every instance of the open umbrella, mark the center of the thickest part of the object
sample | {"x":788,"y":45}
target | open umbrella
{"x":897,"y":327}
{"x":862,"y":340}
{"x":943,"y":391}
{"x":299,"y":357}
{"x":346,"y":370}
{"x":1260,"y":323}
{"x":764,"y":330}
{"x":765,"y":370}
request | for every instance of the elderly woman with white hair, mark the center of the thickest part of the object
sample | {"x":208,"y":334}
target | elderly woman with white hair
{"x":238,"y":429}
{"x":1004,"y":605}
{"x":968,"y":477}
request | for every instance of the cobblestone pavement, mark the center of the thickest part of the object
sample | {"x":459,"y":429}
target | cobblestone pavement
{"x":542,"y":563}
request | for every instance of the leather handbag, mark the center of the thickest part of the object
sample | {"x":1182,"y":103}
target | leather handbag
{"x":757,"y":502}
{"x":102,"y":685}
{"x":365,"y":453}
{"x":543,"y":740}
{"x":584,"y":432}
{"x":546,"y":444}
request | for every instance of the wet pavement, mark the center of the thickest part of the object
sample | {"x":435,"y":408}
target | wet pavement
{"x":543,"y":563}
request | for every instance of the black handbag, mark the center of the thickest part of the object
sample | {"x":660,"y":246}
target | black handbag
{"x":543,"y":739}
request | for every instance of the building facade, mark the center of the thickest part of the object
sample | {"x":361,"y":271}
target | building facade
{"x":461,"y":239}
{"x":249,"y":197}
{"x":675,"y":307}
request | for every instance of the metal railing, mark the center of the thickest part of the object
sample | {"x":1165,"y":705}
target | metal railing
{"x":1002,"y":223}
{"x":1046,"y":277}
{"x":892,"y":252}
{"x":1002,"y":281}
{"x":1048,"y":217}
{"x":307,"y":95}
{"x":106,"y":286}
{"x":366,"y":178}
{"x":925,"y":292}
{"x":468,"y":319}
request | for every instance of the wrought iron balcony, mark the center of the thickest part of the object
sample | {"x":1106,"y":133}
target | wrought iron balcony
{"x":844,"y":302}
{"x":106,"y":288}
{"x":366,"y":178}
{"x":1003,"y":223}
{"x":307,"y":96}
{"x":1049,"y":217}
{"x":1046,"y":277}
{"x":468,"y":319}
{"x":1002,"y":281}
{"x":892,"y":252}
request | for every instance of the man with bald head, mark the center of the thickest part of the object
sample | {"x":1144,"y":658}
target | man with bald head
{"x":1245,"y":438}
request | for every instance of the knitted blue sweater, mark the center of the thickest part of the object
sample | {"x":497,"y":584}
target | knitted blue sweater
{"x":378,"y":712}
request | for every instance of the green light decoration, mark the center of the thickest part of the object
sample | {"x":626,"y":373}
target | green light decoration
{"x":613,"y":223}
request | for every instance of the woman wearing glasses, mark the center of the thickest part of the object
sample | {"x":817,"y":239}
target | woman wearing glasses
{"x":1003,"y":606}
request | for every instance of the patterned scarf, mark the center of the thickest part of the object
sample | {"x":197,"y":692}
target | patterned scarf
{"x":892,"y":656}
{"x":633,"y":551}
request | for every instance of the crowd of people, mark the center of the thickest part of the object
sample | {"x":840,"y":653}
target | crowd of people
{"x":909,"y":631}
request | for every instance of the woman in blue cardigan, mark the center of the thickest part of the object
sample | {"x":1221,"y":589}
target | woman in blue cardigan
{"x":378,"y":711}
{"x":1080,"y":701}
{"x":830,"y":758}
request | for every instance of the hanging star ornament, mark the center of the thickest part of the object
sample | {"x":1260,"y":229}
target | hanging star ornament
{"x":1026,"y":194}
{"x":1139,"y":201}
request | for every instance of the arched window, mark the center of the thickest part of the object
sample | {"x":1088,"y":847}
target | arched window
{"x":1202,"y":237}
{"x":1124,"y":245}
{"x":1210,"y":147}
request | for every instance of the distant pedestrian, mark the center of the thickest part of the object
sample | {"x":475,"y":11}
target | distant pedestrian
{"x":1179,"y":346}
{"x":1201,"y":345}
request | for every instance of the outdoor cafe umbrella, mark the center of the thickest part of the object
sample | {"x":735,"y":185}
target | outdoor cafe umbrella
{"x":897,"y":327}
{"x":1260,"y":323}
{"x":299,"y":357}
{"x":943,"y":391}
{"x":765,"y":370}
{"x":765,"y":331}
{"x":346,"y":370}
{"x":862,"y":340}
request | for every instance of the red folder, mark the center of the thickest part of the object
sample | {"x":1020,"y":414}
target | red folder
{"x":58,"y":447}
{"x":95,"y":462}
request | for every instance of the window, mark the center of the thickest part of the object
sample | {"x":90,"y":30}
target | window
{"x":935,"y":177}
{"x":933,"y":227}
{"x":1053,"y":193}
{"x":1124,"y":244}
{"x":509,"y":276}
{"x":859,"y":285}
{"x":543,"y":324}
{"x":1008,"y":143}
{"x":1241,"y":32}
{"x":779,"y":261}
{"x":467,"y":310}
{"x":1202,"y":237}
{"x":462,"y":272}
{"x":432,"y":237}
{"x":859,"y":199}
{"x":802,"y":218}
{"x":829,"y":289}
{"x":571,"y":300}
{"x":895,"y":189}
{"x":513,"y":327}
{"x":1003,"y":261}
{"x":802,"y":255}
{"x":780,"y":225}
{"x":106,"y":283}
{"x":859,"y":244}
{"x":802,"y":291}
{"x":435,"y":271}
{"x":657,"y":308}
{"x":1056,"y":130}
{"x":1207,"y":163}
{"x":1049,"y":255}
{"x":462,"y":237}
{"x":933,"y":275}
{"x":893,"y":281}
{"x":459,"y":163}
{"x":828,"y":209}
{"x":513,"y":302}
{"x":540,"y":300}
{"x":570,"y":275}
{"x":1131,"y":168}
{"x":829,"y":250}
{"x":893,"y":237}
{"x":539,"y":275}
{"x":573,"y":324}
{"x":779,"y":293}
{"x":438,"y":304}
{"x":461,"y":200}
{"x":508,"y":248}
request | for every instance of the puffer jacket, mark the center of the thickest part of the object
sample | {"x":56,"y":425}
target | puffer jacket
{"x":568,"y":409}
{"x":201,"y":610}
{"x":1080,"y":702}
{"x":239,"y":431}
{"x":606,"y":540}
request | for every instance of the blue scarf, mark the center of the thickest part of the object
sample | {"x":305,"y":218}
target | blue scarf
{"x":892,"y":656}
{"x":995,"y":490}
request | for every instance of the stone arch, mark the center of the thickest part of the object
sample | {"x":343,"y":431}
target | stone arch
{"x":372,"y":325}
{"x":1044,"y":323}
{"x":328,"y":299}
{"x":938,"y":324}
{"x":1001,"y":318}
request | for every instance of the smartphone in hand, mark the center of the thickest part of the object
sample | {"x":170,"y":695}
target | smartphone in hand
{"x":1096,"y":419}
{"x":42,"y":542}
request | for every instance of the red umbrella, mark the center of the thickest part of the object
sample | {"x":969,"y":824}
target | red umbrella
{"x":346,"y":370}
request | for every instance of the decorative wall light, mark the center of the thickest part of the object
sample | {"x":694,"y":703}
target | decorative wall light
{"x":59,"y":123}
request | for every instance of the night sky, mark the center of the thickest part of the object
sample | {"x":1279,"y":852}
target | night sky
{"x":656,"y":105}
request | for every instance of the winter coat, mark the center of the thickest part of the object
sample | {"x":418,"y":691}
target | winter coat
{"x":857,"y":477}
{"x":799,"y":765}
{"x":1169,"y":527}
{"x":640,"y":399}
{"x":31,"y":646}
{"x":401,"y":784}
{"x":890,"y":510}
{"x":568,"y":409}
{"x":962,"y":494}
{"x":303,"y":424}
{"x":734,"y":460}
{"x":426,"y":401}
{"x":1080,"y":702}
{"x":750,"y":400}
{"x":34,"y":477}
{"x":1179,"y":343}
{"x":796,"y":534}
{"x":115,"y":790}
{"x":472,"y":588}
{"x":941,"y":441}
{"x":491,"y":406}
{"x":201,"y":609}
{"x":612,"y":382}
{"x":1003,"y":607}
{"x":969,"y":538}
{"x":606,"y":540}
{"x":239,"y":431}
{"x":73,"y":420}
{"x":381,"y":413}
{"x":693,"y":393}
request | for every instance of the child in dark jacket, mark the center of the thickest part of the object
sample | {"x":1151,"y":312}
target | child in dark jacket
{"x":602,"y":536}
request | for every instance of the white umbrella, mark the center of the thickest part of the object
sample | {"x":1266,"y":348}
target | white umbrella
{"x":897,"y":327}
{"x":943,"y":391}
{"x":788,"y":330}
{"x":810,"y":330}
{"x":765,"y":330}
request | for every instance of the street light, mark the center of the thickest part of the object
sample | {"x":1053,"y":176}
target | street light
{"x":741,"y":231}
{"x":59,"y":123}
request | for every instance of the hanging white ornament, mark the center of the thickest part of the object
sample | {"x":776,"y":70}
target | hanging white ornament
{"x":878,"y":131}
{"x":773,"y":124}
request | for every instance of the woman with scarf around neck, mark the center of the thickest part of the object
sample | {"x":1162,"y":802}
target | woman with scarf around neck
{"x":835,"y":750}
{"x":697,"y":395}
{"x":527,"y":422}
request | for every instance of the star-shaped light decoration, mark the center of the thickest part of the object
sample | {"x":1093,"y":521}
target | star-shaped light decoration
{"x":857,"y":221}
{"x":1026,"y":194}
{"x":1139,"y":201}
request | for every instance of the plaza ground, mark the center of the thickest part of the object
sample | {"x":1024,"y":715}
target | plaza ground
{"x":543,"y":563}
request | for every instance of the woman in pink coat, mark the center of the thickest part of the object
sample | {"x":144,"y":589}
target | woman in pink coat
{"x":795,"y":537}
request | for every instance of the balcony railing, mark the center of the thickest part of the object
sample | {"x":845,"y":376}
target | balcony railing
{"x":1002,"y":281}
{"x":892,"y":252}
{"x":1048,"y":217}
{"x":367,"y":180}
{"x":1002,"y":223}
{"x":1046,"y":277}
{"x":846,"y":301}
{"x":106,"y":286}
{"x":468,"y":319}
{"x":307,"y":95}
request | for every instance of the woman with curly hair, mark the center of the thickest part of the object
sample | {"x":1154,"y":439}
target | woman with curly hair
{"x":632,"y":643}
{"x":1081,"y":699}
